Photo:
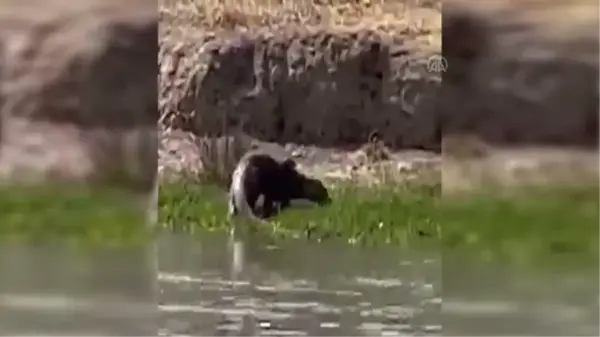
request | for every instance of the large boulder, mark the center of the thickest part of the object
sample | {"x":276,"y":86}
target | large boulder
{"x":78,"y":92}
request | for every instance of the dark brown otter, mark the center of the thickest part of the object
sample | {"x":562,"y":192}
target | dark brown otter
{"x":278,"y":182}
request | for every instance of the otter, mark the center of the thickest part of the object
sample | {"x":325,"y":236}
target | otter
{"x":259,"y":174}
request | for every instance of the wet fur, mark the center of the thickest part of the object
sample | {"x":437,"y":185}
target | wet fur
{"x":258,"y":174}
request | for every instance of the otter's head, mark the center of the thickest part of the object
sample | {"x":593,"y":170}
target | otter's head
{"x":300,"y":186}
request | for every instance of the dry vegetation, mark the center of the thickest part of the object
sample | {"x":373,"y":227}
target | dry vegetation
{"x":401,"y":15}
{"x":185,"y":156}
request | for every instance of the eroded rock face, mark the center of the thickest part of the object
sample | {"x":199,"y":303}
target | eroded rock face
{"x":507,"y":85}
{"x":325,"y":87}
{"x":332,"y":87}
{"x":78,"y":91}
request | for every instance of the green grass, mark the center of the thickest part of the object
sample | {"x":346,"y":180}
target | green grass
{"x":70,"y":214}
{"x":385,"y":215}
{"x":538,"y":225}
{"x":526,"y":227}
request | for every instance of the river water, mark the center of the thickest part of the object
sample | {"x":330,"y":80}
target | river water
{"x":215,"y":287}
{"x":211,"y":285}
{"x":495,"y":299}
{"x":60,"y":290}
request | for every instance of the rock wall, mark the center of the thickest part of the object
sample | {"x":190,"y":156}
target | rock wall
{"x":299,"y":85}
{"x":332,"y":87}
{"x":78,"y":93}
{"x":508,"y":85}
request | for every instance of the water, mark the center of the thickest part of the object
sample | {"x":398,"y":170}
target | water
{"x":494,"y":299}
{"x":62,"y":291}
{"x":209,"y":288}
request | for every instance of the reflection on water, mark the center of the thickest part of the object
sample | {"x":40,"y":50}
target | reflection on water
{"x":484,"y":299}
{"x":299,"y":288}
{"x":56,"y":290}
{"x":211,"y":286}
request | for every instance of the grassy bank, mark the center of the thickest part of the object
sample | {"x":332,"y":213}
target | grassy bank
{"x":389,"y":215}
{"x":537,"y":225}
{"x":525,"y":227}
{"x":70,"y":214}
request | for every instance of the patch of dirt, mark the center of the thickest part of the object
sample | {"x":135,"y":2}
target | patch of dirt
{"x":466,"y":164}
{"x":182,"y":154}
{"x":520,"y":167}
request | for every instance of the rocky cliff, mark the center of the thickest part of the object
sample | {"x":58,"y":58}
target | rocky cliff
{"x":506,"y":83}
{"x":329,"y":87}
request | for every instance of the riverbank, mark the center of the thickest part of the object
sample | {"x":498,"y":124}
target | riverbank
{"x":359,"y":215}
{"x":527,"y":226}
{"x":528,"y":223}
{"x":200,"y":96}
